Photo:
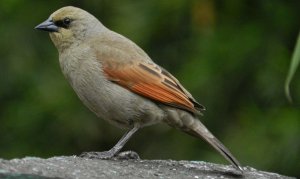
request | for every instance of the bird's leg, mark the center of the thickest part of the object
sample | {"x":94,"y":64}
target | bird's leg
{"x":114,"y":151}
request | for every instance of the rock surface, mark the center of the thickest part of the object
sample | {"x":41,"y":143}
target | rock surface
{"x":75,"y":167}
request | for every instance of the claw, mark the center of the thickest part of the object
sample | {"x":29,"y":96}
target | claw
{"x":106,"y":155}
{"x":97,"y":155}
{"x":127,"y":155}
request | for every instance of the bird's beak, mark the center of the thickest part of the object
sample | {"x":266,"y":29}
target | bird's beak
{"x":48,"y":26}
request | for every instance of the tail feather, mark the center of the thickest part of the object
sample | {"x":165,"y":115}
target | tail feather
{"x":191,"y":125}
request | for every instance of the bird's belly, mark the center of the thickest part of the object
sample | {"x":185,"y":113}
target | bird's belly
{"x":112,"y":102}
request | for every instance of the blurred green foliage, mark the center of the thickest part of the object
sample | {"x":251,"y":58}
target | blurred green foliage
{"x":292,"y":70}
{"x":233,"y":57}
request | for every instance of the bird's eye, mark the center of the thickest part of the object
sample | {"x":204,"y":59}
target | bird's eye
{"x":66,"y":21}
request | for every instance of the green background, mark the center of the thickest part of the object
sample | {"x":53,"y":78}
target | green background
{"x":232,"y":56}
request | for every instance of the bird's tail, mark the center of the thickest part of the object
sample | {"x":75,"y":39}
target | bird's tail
{"x":191,"y":125}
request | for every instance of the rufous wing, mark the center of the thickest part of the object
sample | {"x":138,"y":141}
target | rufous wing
{"x":151,"y":81}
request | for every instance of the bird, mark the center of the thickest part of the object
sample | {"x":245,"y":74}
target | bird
{"x":120,"y":83}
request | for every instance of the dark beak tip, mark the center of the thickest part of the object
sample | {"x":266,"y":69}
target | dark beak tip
{"x":37,"y":27}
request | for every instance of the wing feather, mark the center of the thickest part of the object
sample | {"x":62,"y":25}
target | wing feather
{"x":149,"y":80}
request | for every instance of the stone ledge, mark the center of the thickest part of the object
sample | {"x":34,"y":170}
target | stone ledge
{"x":79,"y":168}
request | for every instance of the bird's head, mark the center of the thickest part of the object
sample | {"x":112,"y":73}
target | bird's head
{"x":70,"y":25}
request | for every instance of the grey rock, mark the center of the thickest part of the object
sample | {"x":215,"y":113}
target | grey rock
{"x":82,"y":168}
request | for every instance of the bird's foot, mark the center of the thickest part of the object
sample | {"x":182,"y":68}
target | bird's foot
{"x":98,"y":155}
{"x":127,"y":155}
{"x":106,"y":155}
